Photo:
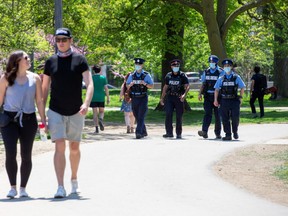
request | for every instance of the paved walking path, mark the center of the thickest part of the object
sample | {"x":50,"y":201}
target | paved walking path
{"x":148,"y":177}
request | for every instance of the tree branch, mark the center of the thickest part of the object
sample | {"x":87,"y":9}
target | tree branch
{"x":237,"y":12}
{"x":251,"y":15}
{"x":191,"y":4}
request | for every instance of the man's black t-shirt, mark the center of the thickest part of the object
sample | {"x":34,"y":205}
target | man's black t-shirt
{"x":260,"y":83}
{"x":66,"y":82}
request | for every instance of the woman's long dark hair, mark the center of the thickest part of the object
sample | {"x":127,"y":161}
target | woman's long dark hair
{"x":13,"y":66}
{"x":124,"y":84}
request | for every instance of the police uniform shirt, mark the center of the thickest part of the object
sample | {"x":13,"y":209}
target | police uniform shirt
{"x":238,"y":81}
{"x":204,"y":78}
{"x":147,"y":79}
{"x":173,"y":82}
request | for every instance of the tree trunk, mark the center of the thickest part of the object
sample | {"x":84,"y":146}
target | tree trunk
{"x":214,"y":36}
{"x":280,"y":63}
{"x":169,"y":55}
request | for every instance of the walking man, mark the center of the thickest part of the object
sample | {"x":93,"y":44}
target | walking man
{"x":98,"y":100}
{"x":139,"y":82}
{"x":174,"y":91}
{"x":208,"y":80}
{"x":64,"y":71}
{"x":227,"y":86}
{"x":257,"y":91}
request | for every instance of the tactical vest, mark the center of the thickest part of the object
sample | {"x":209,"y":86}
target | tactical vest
{"x":175,"y":86}
{"x":210,"y":80}
{"x":138,"y":90}
{"x":229,"y":87}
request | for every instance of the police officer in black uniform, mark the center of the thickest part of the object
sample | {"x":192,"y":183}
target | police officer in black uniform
{"x":209,"y":79}
{"x":138,"y":83}
{"x":230,"y":101}
{"x":174,"y":91}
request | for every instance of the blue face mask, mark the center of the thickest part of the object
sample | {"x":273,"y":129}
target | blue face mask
{"x":137,"y":67}
{"x":175,"y":69}
{"x":227,"y":70}
{"x":212,"y":65}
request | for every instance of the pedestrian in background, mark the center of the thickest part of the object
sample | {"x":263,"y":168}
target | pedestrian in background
{"x":98,"y":100}
{"x":126,"y":106}
{"x":63,"y":75}
{"x":138,"y":83}
{"x":19,"y":90}
{"x":208,"y":80}
{"x":174,"y":92}
{"x":227,"y":86}
{"x":257,"y":91}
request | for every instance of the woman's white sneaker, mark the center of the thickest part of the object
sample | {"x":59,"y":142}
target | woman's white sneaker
{"x":12,"y":193}
{"x":23,"y":193}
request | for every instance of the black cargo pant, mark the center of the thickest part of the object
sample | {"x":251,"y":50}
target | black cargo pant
{"x":26,"y":135}
{"x":173,"y":102}
{"x":209,"y":110}
{"x":230,"y":113}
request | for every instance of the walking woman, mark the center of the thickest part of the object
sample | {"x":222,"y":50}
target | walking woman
{"x":19,"y":90}
{"x":126,"y":106}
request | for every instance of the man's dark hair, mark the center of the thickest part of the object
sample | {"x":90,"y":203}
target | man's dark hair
{"x":96,"y":69}
{"x":256,"y":69}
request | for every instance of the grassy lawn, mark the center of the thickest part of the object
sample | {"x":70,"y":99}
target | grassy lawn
{"x":194,"y":117}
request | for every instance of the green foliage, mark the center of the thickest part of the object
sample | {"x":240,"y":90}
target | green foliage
{"x":116,"y":31}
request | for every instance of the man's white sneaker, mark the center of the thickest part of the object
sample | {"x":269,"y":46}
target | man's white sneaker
{"x":61,"y":193}
{"x":23,"y":193}
{"x":12,"y":193}
{"x":75,"y":189}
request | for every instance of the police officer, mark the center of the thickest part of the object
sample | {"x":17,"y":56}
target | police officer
{"x":138,"y":82}
{"x":174,"y":91}
{"x":227,"y":86}
{"x":208,"y":80}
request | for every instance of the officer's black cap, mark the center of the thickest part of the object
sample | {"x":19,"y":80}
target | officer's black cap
{"x":139,"y":60}
{"x":213,"y":58}
{"x":227,"y":61}
{"x":175,"y":62}
{"x":63,"y":32}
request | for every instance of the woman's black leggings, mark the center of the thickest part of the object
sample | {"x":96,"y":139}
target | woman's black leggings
{"x":26,"y":135}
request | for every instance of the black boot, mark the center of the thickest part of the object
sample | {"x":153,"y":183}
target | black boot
{"x":203,"y":134}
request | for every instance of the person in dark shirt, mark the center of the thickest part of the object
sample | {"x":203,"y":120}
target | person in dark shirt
{"x":257,"y":91}
{"x":63,"y":75}
{"x":173,"y":96}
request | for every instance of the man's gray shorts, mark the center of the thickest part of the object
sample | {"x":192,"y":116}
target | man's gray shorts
{"x":65,"y":127}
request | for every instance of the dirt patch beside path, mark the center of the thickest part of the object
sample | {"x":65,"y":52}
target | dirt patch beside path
{"x":252,"y":168}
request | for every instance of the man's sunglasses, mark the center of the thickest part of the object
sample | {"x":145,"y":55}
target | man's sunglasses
{"x":58,"y":40}
{"x":175,"y":65}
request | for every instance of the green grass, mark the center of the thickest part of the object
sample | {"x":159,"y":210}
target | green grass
{"x":194,"y":117}
{"x":282,"y":171}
